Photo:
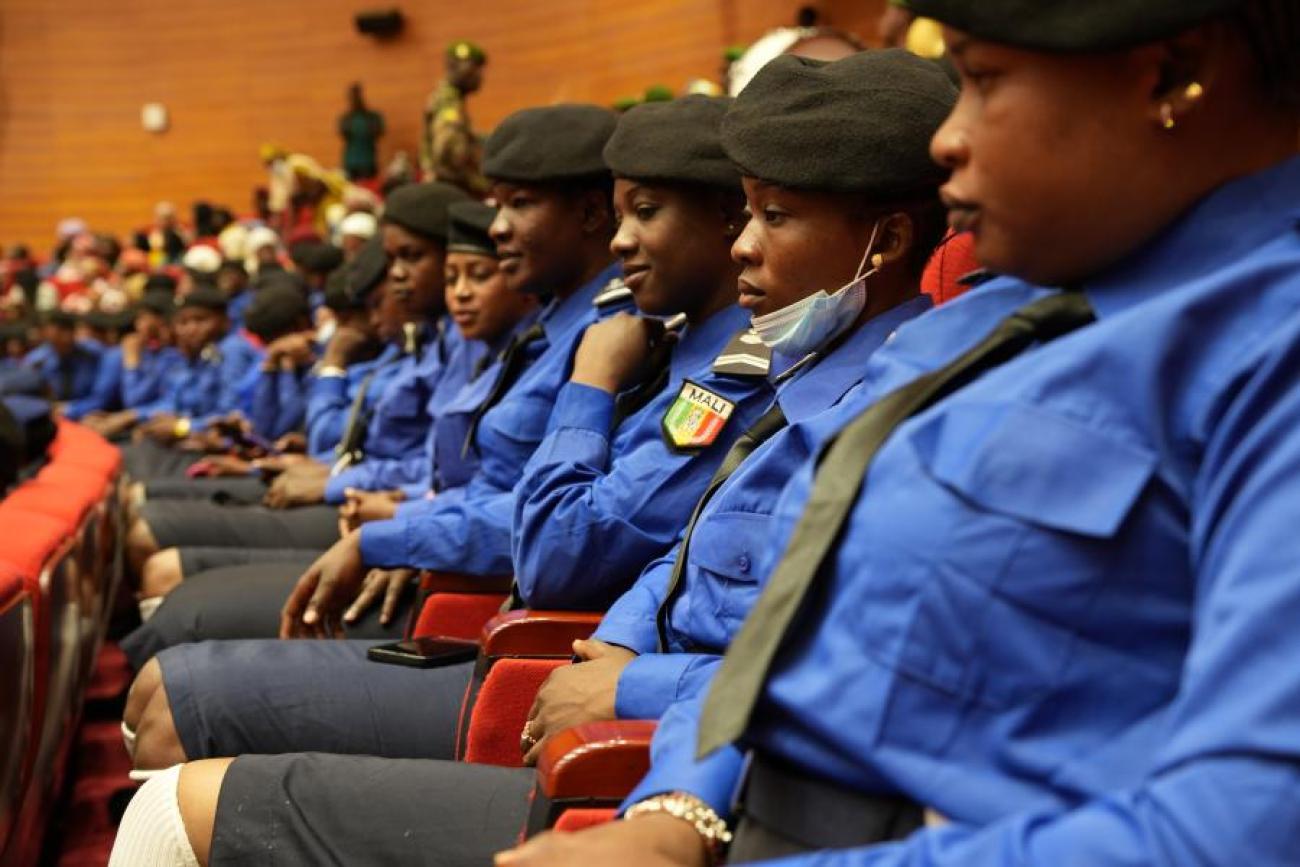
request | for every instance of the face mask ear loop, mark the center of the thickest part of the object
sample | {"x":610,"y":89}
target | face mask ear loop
{"x":866,"y":255}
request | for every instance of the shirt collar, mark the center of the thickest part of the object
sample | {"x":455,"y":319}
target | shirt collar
{"x":842,"y":368}
{"x":700,"y":344}
{"x":559,"y":316}
{"x":1223,"y":227}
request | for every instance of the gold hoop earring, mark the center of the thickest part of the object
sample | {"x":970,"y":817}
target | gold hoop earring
{"x":1167,"y":115}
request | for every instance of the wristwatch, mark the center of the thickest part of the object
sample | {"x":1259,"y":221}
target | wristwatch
{"x":692,"y":810}
{"x":331,"y":370}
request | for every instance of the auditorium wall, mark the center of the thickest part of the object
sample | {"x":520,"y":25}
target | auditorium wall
{"x":74,"y":75}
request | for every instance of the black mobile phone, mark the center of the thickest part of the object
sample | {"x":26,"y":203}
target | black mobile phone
{"x":424,"y":652}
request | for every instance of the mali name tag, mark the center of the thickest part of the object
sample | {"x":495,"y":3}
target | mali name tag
{"x":696,"y":417}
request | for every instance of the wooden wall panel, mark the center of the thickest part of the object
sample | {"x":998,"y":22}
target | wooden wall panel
{"x":75,"y":73}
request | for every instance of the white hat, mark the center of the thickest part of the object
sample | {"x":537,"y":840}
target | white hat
{"x":232,"y":241}
{"x":202,"y":258}
{"x":359,"y":224}
{"x":260,"y":237}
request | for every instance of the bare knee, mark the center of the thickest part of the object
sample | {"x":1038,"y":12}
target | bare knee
{"x":157,"y":743}
{"x":197,"y":794}
{"x":146,"y":683}
{"x":162,"y":573}
{"x":140,"y":546}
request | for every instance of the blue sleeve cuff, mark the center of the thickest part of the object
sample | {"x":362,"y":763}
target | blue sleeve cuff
{"x":329,"y":388}
{"x":649,"y":685}
{"x":336,"y":485}
{"x":674,"y":767}
{"x":383,"y":544}
{"x":583,"y":406}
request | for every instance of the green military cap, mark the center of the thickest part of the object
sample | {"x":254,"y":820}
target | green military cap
{"x":367,"y":269}
{"x":859,"y":125}
{"x":275,"y":311}
{"x":469,"y":229}
{"x":678,"y":141}
{"x":1071,"y":25}
{"x":204,"y":296}
{"x":463,"y":49}
{"x":658,"y":93}
{"x":623,"y":103}
{"x":551,"y":144}
{"x":422,"y":208}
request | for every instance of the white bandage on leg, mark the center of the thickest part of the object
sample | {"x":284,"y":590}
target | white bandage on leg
{"x":149,"y":605}
{"x":152,"y":833}
{"x":128,"y":739}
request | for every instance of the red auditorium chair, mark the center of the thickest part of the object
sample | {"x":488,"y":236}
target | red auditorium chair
{"x":457,"y":606}
{"x":584,"y":773}
{"x":17,"y":692}
{"x":40,"y":549}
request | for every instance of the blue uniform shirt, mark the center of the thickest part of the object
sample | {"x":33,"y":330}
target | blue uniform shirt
{"x":144,"y":384}
{"x":106,"y":392}
{"x":78,"y":370}
{"x":240,"y":355}
{"x":191,"y":388}
{"x":595,"y":505}
{"x":1063,"y":612}
{"x":329,"y":401}
{"x":471,"y":532}
{"x":399,"y":426}
{"x":725,"y":559}
{"x":278,"y":402}
{"x":449,"y":465}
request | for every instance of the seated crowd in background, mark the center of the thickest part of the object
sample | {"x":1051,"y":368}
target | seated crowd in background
{"x":908,"y":569}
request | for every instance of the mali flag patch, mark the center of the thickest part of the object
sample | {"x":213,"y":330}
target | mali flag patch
{"x":696,"y":417}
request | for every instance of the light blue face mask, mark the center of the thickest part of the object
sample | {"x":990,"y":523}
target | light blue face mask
{"x":811,"y":322}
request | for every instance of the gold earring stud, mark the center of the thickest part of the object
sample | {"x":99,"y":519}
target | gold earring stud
{"x":1193,"y":91}
{"x":1167,"y":116}
{"x":877,"y":260}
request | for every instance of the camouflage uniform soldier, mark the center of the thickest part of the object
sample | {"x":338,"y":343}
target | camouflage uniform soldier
{"x":449,"y":150}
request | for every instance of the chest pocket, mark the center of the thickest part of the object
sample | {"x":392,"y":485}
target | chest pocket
{"x":1026,"y":511}
{"x":406,"y":402}
{"x":725,"y":559}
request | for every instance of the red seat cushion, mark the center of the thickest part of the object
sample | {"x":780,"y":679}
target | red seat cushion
{"x":584,"y":817}
{"x":501,"y":709}
{"x":457,"y":615}
{"x":80,"y":446}
{"x":29,"y":540}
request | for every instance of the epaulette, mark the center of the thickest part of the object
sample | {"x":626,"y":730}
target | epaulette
{"x":615,"y":292}
{"x":976,"y":277}
{"x":744,"y":355}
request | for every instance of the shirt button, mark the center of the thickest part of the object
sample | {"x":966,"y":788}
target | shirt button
{"x":743,"y":563}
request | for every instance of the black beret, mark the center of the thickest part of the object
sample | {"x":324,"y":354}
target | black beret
{"x":13,"y":331}
{"x":1071,"y":25}
{"x":469,"y":229}
{"x":205,"y":296}
{"x":275,"y":311}
{"x":160,"y":282}
{"x":60,"y":318}
{"x":367,"y":268}
{"x":123,"y":320}
{"x":678,"y":141}
{"x":98,"y":319}
{"x":158,"y":301}
{"x":859,"y":125}
{"x":422,"y":208}
{"x":316,"y":256}
{"x":551,"y":144}
{"x":336,"y":293}
{"x":279,"y":279}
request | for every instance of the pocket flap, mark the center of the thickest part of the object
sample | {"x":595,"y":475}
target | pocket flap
{"x":1035,"y":465}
